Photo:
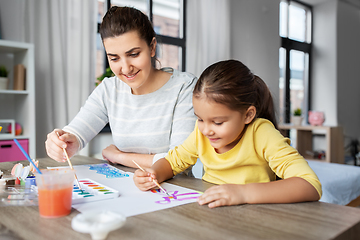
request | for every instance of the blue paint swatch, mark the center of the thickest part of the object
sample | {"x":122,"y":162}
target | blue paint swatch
{"x":108,"y":170}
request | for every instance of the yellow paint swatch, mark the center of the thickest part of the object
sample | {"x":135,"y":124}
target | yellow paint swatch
{"x":0,"y":128}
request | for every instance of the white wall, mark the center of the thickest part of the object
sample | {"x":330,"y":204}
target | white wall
{"x":324,"y":70}
{"x":323,"y":74}
{"x":255,"y":39}
{"x":348,"y":69}
{"x":11,"y":20}
{"x":335,"y":66}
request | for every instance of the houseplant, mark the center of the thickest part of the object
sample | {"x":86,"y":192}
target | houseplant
{"x":107,"y":73}
{"x":297,"y":117}
{"x":3,"y":77}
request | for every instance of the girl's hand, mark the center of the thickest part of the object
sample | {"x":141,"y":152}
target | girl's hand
{"x":54,"y":145}
{"x":223,"y":195}
{"x":144,"y":180}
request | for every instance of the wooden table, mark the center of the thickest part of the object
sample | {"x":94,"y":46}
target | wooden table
{"x":311,"y":220}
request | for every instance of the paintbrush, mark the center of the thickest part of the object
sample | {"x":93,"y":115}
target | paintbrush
{"x":68,"y":160}
{"x":27,"y":155}
{"x":157,"y":184}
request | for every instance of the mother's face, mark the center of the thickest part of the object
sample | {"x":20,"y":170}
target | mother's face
{"x":129,"y":58}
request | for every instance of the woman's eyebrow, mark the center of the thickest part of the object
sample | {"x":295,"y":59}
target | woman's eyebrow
{"x":127,"y":52}
{"x":133,"y":49}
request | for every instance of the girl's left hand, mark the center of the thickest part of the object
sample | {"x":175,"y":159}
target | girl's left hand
{"x":223,"y":195}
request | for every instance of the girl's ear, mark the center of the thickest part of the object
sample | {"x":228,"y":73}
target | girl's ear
{"x":250,"y":114}
{"x":153,"y":47}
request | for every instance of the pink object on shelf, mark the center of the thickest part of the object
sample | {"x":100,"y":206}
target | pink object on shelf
{"x":316,"y":118}
{"x":10,"y":152}
{"x":18,"y":129}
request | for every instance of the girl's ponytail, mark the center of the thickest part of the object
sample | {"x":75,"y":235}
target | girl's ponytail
{"x":264,"y":103}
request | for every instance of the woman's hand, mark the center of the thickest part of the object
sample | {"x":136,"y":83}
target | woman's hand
{"x":144,"y":180}
{"x":54,"y":145}
{"x":111,"y":153}
{"x":223,"y":195}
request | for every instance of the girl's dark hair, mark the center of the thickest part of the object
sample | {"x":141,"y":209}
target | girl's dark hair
{"x":120,"y":20}
{"x":233,"y":84}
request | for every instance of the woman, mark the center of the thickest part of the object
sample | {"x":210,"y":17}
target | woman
{"x":149,"y":110}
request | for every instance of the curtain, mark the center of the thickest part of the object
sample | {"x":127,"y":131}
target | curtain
{"x":207,"y":40}
{"x":64,"y":35}
{"x":207,"y":34}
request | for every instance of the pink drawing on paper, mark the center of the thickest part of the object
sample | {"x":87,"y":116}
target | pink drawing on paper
{"x":175,"y":196}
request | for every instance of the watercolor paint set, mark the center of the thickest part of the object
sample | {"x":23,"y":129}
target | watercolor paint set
{"x":92,"y":191}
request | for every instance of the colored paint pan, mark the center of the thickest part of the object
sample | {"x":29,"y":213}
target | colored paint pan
{"x":92,"y":191}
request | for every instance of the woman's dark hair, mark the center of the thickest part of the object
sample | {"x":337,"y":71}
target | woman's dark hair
{"x":233,"y":84}
{"x":120,"y":20}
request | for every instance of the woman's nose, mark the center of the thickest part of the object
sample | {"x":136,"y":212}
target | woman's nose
{"x":125,"y":67}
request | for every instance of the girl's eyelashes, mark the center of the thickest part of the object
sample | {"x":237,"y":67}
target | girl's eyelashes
{"x":216,"y":123}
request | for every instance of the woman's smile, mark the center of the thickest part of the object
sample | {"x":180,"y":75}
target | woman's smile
{"x":132,"y":76}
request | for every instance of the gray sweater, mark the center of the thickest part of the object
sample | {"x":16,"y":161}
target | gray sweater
{"x":152,"y":123}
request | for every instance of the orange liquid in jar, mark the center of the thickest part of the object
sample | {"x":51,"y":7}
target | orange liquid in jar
{"x":55,"y":202}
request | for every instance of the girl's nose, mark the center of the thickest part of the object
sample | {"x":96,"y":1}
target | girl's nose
{"x":208,"y":131}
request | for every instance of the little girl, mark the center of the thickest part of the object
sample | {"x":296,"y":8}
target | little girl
{"x":237,"y":140}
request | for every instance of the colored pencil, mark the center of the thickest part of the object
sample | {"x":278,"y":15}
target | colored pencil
{"x":157,"y":184}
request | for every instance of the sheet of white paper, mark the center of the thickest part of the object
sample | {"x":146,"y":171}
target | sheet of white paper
{"x":131,"y":201}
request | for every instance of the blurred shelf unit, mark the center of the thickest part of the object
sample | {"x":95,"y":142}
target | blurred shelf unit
{"x":18,"y":105}
{"x":334,"y":152}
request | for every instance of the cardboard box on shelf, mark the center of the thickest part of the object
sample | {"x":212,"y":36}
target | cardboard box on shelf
{"x":19,"y":77}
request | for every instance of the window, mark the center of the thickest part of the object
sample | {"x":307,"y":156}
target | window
{"x":294,"y":58}
{"x":168,"y":20}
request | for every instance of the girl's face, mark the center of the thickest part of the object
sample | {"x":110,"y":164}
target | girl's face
{"x":130,"y":60}
{"x":222,"y":126}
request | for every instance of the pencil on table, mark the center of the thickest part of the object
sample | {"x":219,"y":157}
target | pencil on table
{"x":157,"y":184}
